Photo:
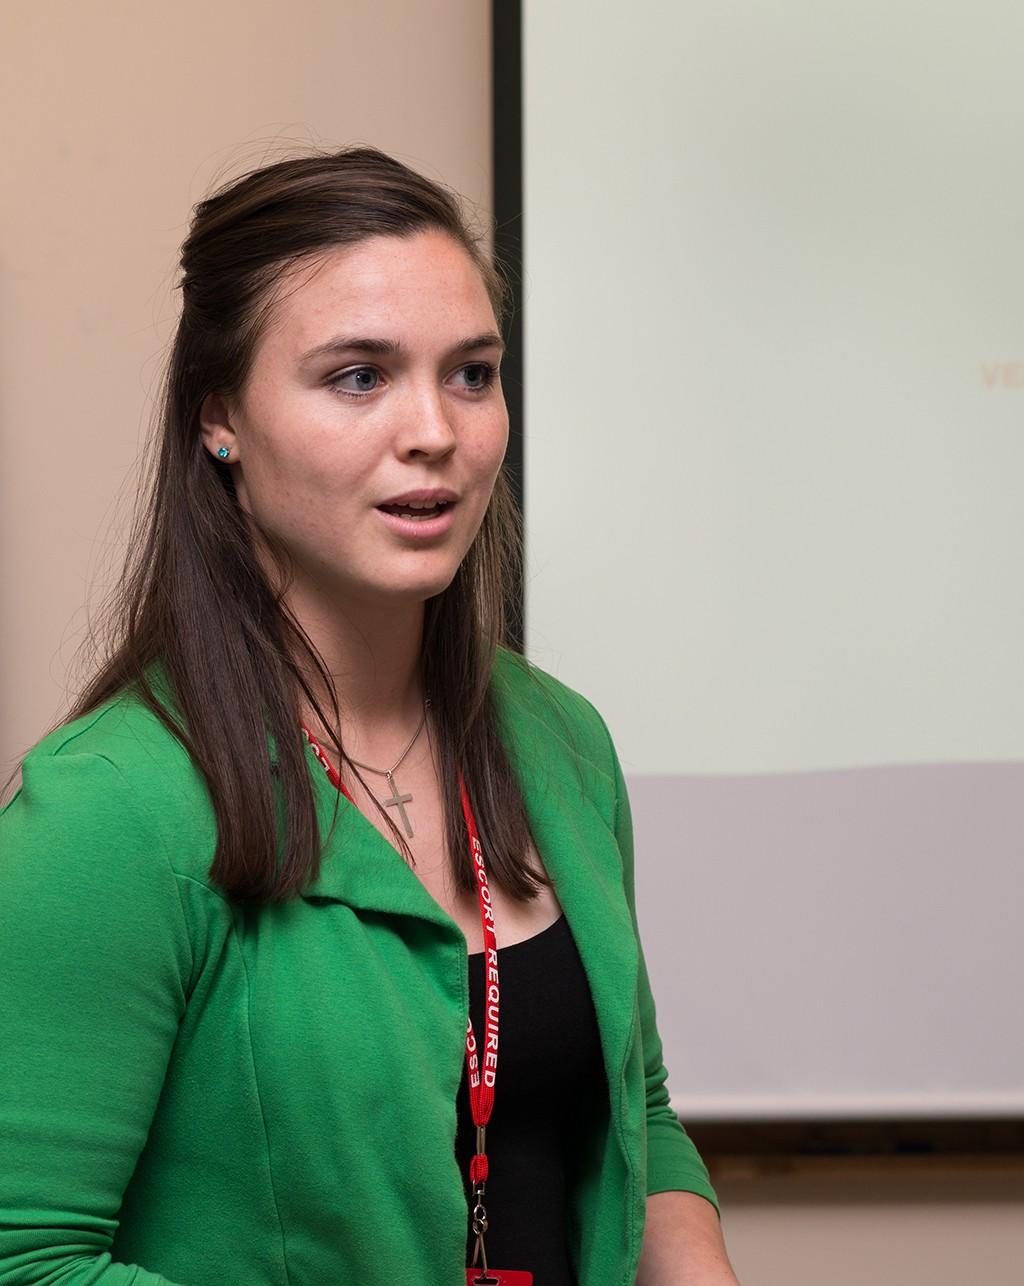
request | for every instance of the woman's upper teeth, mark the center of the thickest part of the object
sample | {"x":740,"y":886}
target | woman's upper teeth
{"x":414,"y":507}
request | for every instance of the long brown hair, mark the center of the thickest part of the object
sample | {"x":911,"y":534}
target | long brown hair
{"x":193,"y":596}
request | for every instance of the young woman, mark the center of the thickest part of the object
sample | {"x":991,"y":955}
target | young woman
{"x":314,"y":834}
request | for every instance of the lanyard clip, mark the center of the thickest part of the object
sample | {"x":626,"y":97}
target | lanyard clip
{"x":478,"y":1164}
{"x":479,"y":1217}
{"x":479,"y":1228}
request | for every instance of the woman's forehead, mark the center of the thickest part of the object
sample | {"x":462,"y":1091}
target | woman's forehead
{"x":385,"y":287}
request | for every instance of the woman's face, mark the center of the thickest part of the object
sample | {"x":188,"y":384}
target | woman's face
{"x":326,"y":429}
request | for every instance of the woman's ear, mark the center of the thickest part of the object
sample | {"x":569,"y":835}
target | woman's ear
{"x":216,"y":429}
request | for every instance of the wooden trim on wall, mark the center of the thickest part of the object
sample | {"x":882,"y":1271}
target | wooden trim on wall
{"x":907,"y":1142}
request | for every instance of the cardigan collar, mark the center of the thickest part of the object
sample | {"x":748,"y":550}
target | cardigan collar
{"x":362,"y":869}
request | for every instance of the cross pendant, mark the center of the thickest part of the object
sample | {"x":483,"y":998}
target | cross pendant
{"x":400,"y":800}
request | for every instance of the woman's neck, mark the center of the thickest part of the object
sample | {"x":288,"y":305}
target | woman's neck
{"x":373,"y":657}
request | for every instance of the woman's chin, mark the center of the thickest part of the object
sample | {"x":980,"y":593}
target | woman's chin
{"x":419,"y":589}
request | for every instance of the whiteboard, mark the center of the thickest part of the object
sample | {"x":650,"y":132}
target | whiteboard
{"x":773,"y":301}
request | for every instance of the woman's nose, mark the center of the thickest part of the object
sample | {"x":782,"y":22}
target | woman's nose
{"x":426,"y":424}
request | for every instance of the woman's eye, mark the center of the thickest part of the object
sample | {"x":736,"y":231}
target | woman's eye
{"x":482,"y":375}
{"x":487,"y":374}
{"x":357,"y":372}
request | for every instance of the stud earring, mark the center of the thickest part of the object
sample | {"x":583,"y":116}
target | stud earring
{"x":223,"y":452}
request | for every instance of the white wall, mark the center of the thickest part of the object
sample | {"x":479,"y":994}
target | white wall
{"x":775,"y":379}
{"x":774,"y":395}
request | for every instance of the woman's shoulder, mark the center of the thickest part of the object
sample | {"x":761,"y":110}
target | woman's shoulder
{"x":125,"y":731}
{"x":96,"y":857}
{"x":119,"y":769}
{"x":534,"y":704}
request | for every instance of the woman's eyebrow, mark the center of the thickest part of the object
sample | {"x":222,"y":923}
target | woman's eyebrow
{"x":391,"y":347}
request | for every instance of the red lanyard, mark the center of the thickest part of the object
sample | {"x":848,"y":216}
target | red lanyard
{"x":481,"y":1089}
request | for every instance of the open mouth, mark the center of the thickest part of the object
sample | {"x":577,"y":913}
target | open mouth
{"x":414,"y":511}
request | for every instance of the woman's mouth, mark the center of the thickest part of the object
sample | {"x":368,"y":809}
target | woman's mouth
{"x":416,"y":511}
{"x":418,"y":522}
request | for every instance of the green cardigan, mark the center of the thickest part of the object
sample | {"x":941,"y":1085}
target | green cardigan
{"x":196,"y":1093}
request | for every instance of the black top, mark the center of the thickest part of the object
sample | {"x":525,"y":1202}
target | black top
{"x":550,"y":1066}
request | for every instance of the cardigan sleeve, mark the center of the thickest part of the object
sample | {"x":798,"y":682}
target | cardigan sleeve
{"x":673,"y":1162}
{"x":95,"y":964}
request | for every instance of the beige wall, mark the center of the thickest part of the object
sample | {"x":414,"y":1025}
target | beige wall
{"x":120,"y":116}
{"x":905,"y":1221}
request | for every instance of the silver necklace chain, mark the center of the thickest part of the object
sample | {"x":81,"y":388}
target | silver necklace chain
{"x":397,"y":800}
